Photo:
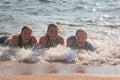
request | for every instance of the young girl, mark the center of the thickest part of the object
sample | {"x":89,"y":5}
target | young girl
{"x":51,"y":39}
{"x":24,"y":39}
{"x":79,"y":41}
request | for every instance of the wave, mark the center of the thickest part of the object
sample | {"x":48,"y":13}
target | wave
{"x":44,"y":0}
{"x":102,"y":56}
{"x":37,"y":55}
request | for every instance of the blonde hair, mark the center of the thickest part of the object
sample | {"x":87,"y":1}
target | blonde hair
{"x":52,"y":25}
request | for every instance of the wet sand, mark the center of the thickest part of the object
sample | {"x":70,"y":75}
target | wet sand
{"x":61,"y":77}
{"x":49,"y":71}
{"x":18,"y":69}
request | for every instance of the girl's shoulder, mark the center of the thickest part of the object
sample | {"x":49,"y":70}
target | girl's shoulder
{"x":43,"y":39}
{"x":89,"y":45}
{"x":16,"y":36}
{"x":33,"y":37}
{"x":71,"y":38}
{"x":60,"y":37}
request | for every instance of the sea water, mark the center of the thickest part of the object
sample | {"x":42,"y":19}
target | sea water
{"x":99,"y":18}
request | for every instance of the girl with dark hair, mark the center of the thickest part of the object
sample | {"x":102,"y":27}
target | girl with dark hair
{"x":24,"y":39}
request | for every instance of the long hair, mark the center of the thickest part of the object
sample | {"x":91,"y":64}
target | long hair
{"x":52,"y":25}
{"x":20,"y":37}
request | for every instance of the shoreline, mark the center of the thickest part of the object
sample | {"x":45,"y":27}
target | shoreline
{"x":15,"y":69}
{"x":61,"y":77}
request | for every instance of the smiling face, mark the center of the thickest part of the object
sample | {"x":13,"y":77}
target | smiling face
{"x":26,"y":35}
{"x":81,"y":37}
{"x":52,"y":32}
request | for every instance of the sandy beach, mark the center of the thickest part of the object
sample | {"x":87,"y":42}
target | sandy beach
{"x":48,"y":71}
{"x":61,"y":77}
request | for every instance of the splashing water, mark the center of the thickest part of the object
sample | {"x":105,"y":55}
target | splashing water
{"x":59,"y":53}
{"x":17,"y":54}
{"x":104,"y":55}
{"x":100,"y":19}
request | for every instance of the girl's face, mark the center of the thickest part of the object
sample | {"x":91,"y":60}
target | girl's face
{"x":53,"y":33}
{"x":26,"y":35}
{"x":81,"y":38}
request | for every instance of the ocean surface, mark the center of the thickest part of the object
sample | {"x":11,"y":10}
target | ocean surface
{"x":99,"y":18}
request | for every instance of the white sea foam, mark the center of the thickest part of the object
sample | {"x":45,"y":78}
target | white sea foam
{"x":106,"y":53}
{"x":58,"y":53}
{"x":61,"y":53}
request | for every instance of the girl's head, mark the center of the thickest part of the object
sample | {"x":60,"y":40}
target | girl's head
{"x":52,"y":31}
{"x":81,"y":36}
{"x":26,"y":34}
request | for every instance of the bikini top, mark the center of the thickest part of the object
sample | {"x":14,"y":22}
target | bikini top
{"x":52,"y":44}
{"x":24,"y":45}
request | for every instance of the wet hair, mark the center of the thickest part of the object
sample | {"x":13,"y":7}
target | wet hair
{"x":80,"y":30}
{"x":20,"y":37}
{"x":52,"y":25}
{"x":26,"y":27}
